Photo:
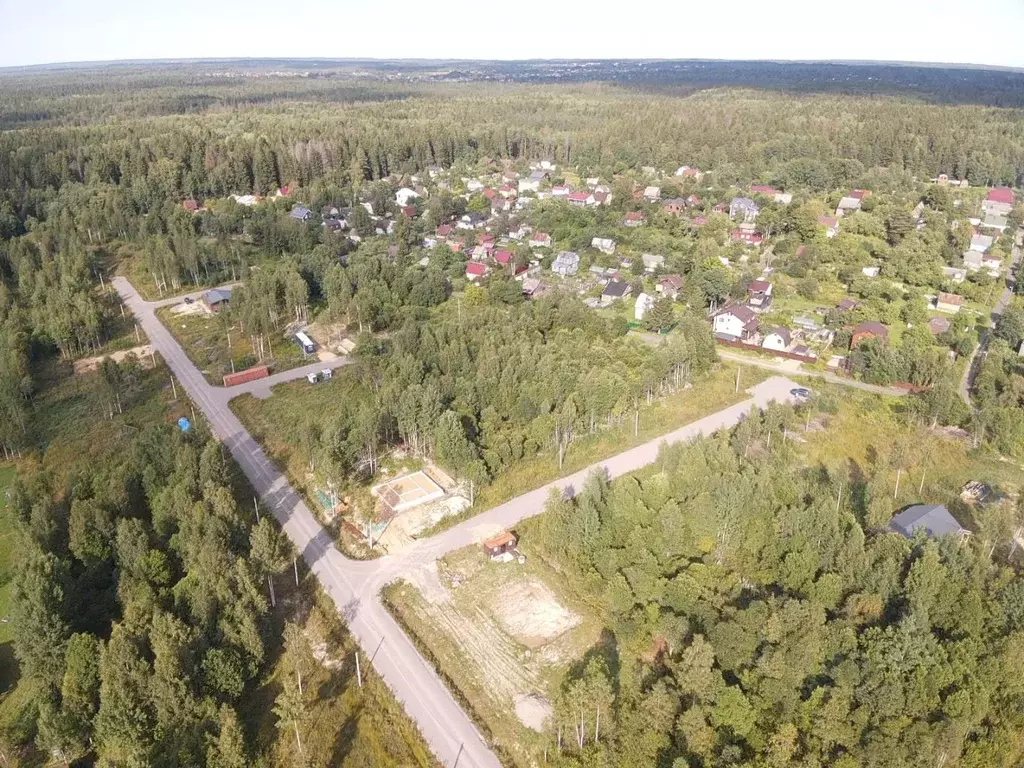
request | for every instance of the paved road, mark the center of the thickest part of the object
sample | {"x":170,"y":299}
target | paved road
{"x":978,"y":357}
{"x":355,"y":585}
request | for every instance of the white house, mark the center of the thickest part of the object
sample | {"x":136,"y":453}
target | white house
{"x":949,"y":303}
{"x":603,"y":244}
{"x":981,"y":243}
{"x":652,"y":193}
{"x":540,"y":240}
{"x":404,"y":196}
{"x":653,"y":261}
{"x":644,"y":302}
{"x":955,"y":274}
{"x":566,"y":263}
{"x":847,"y":205}
{"x":738,"y":322}
{"x":778,"y":340}
{"x":870,"y":271}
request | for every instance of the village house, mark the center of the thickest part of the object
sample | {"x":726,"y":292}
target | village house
{"x":831,"y":225}
{"x":216,"y":299}
{"x":652,"y":194}
{"x":581,"y":199}
{"x":669,"y":285}
{"x":955,"y":274}
{"x":653,"y":262}
{"x":949,"y":303}
{"x":540,"y":240}
{"x":744,"y":208}
{"x":615,"y":290}
{"x":674,"y":206}
{"x":778,"y":340}
{"x":566,"y":263}
{"x":998,"y":202}
{"x":736,"y":322}
{"x":476,"y":270}
{"x":981,"y":243}
{"x":471,"y":220}
{"x":869,"y":330}
{"x":404,"y":196}
{"x":532,"y":287}
{"x":561,"y":191}
{"x":748,"y":236}
{"x":939,"y":325}
{"x":644,"y":302}
{"x":603,"y":244}
{"x":247,"y":200}
{"x":785,"y":198}
{"x":870,"y":271}
{"x":634,"y":219}
{"x":685,"y":170}
{"x":759,"y":295}
{"x":847,"y":205}
{"x":533,"y":182}
{"x":847,"y":305}
{"x":998,"y":223}
{"x":474,"y":185}
{"x":934,"y":519}
{"x":300,"y":213}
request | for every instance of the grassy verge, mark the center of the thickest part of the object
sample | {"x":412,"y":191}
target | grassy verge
{"x":470,"y":639}
{"x":205,"y":341}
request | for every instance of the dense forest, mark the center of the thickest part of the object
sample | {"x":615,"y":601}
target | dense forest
{"x":760,"y":615}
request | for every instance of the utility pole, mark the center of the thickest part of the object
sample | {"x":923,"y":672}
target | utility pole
{"x":174,"y":389}
{"x":737,"y":378}
{"x":257,"y":508}
{"x":295,"y":566}
{"x":920,"y":488}
{"x":839,"y":498}
{"x":456,"y":763}
{"x":138,"y":339}
{"x":359,"y":673}
{"x":899,"y":471}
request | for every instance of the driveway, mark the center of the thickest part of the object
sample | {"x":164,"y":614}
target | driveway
{"x":354,"y":585}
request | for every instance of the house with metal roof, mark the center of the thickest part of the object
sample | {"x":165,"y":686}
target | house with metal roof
{"x":933,"y":519}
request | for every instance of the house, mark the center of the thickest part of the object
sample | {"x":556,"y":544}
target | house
{"x":581,"y":199}
{"x":561,"y":191}
{"x":566,"y":263}
{"x":955,"y":274}
{"x":778,"y":340}
{"x":652,"y":193}
{"x":404,"y":196}
{"x":974,"y":260}
{"x":247,"y":200}
{"x":831,"y":225}
{"x":745,"y":207}
{"x":190,"y":205}
{"x":475,"y":270}
{"x":949,"y":303}
{"x":674,"y":205}
{"x":939,"y":325}
{"x":860,"y":194}
{"x":737,"y":322}
{"x":998,"y":202}
{"x":216,"y":298}
{"x":334,"y":225}
{"x":501,"y":547}
{"x":300,"y":213}
{"x":409,"y":211}
{"x":669,"y":285}
{"x":634,"y":219}
{"x":869,"y":330}
{"x":603,"y":244}
{"x":532,"y":287}
{"x":474,"y":185}
{"x":533,"y":182}
{"x":981,"y":243}
{"x":504,"y":257}
{"x":759,"y":295}
{"x":653,"y":261}
{"x":785,"y":198}
{"x":934,"y":519}
{"x":870,"y":271}
{"x":685,"y":170}
{"x":540,"y":240}
{"x":508,"y":192}
{"x":615,"y":290}
{"x":847,"y":305}
{"x":749,"y":236}
{"x":847,"y":205}
{"x":443,"y":231}
{"x":998,"y":223}
{"x":644,"y":302}
{"x":471,"y":220}
{"x":548,"y":165}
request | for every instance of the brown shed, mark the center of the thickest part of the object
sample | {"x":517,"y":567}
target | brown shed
{"x":500,"y":544}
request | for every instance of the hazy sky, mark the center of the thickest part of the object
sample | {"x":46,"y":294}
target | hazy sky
{"x":908,"y":30}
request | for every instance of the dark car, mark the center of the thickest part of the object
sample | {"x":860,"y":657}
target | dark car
{"x":189,"y":299}
{"x":800,"y":392}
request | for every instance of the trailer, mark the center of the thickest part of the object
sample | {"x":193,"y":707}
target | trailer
{"x":307,"y":344}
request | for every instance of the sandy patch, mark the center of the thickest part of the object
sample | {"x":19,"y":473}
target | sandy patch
{"x":428,"y":582}
{"x":195,"y":308}
{"x":144,"y":353}
{"x":325,"y":355}
{"x":533,"y":711}
{"x":531,"y":613}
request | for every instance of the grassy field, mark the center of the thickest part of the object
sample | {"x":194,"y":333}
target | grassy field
{"x":503,"y":635}
{"x":205,"y":340}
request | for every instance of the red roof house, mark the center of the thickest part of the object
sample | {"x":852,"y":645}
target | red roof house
{"x":1000,"y":195}
{"x":190,"y":205}
{"x":475,"y":269}
{"x":503,"y":257}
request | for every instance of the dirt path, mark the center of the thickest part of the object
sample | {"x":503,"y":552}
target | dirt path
{"x":142,"y":352}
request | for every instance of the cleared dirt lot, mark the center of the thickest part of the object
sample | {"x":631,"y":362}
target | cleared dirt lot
{"x":504,"y":634}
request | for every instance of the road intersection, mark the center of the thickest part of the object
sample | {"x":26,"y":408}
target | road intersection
{"x":354,"y":585}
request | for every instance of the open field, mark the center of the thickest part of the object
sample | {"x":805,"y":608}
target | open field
{"x":205,"y":339}
{"x":503,"y":634}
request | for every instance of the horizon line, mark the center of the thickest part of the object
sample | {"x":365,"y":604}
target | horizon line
{"x":425,"y":60}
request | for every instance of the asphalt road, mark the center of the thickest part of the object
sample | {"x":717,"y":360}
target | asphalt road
{"x":355,"y":585}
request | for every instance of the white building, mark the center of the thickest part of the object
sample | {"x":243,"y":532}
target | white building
{"x":603,"y":244}
{"x":404,"y":196}
{"x":644,"y":303}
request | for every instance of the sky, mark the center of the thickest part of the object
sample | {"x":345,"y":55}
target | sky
{"x":989,"y":33}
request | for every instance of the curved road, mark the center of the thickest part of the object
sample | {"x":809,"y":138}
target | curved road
{"x":355,"y":585}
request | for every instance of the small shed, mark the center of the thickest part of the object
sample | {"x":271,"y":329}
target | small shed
{"x":934,"y":519}
{"x":501,"y":544}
